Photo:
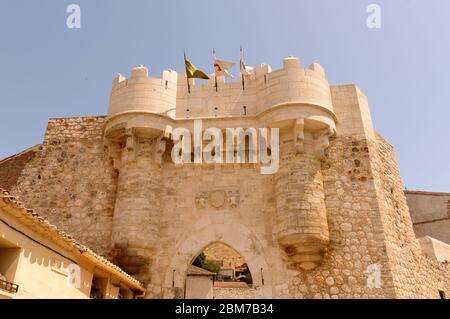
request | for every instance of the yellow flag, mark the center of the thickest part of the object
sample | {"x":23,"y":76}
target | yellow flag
{"x":192,"y":71}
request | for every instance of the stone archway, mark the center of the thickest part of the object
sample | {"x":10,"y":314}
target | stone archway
{"x":218,"y":228}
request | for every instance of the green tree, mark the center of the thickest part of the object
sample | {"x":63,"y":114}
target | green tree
{"x":248,"y":278}
{"x":204,"y":263}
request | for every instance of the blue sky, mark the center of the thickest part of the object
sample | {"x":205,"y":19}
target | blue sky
{"x":48,"y":70}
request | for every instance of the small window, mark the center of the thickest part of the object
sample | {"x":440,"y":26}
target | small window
{"x":442,"y":294}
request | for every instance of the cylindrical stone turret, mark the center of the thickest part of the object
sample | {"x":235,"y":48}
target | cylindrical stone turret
{"x":135,"y":133}
{"x":137,"y":210}
{"x":302,"y":227}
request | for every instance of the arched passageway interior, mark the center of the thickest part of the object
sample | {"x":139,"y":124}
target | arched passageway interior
{"x":219,"y":272}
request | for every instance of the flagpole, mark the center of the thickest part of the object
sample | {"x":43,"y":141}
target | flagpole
{"x":242,"y":71}
{"x":187,"y":78}
{"x":215,"y":73}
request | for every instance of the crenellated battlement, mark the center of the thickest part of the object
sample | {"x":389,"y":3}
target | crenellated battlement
{"x":264,"y":89}
{"x":143,"y":93}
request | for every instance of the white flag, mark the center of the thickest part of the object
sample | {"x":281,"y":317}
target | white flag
{"x":245,"y":70}
{"x":220,"y":68}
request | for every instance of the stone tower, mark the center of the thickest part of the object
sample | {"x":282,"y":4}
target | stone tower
{"x":142,"y":113}
{"x":136,"y":142}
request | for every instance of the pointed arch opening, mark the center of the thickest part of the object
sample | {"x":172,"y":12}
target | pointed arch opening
{"x":225,"y":229}
{"x":219,"y":271}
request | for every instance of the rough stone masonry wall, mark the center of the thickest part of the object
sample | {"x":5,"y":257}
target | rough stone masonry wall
{"x":414,"y":275}
{"x":233,"y":293}
{"x":71,"y":181}
{"x":356,"y":233}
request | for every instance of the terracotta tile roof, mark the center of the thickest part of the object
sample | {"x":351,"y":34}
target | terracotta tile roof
{"x":32,"y":149}
{"x":12,"y":166}
{"x":197,"y":271}
{"x":28,"y":216}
